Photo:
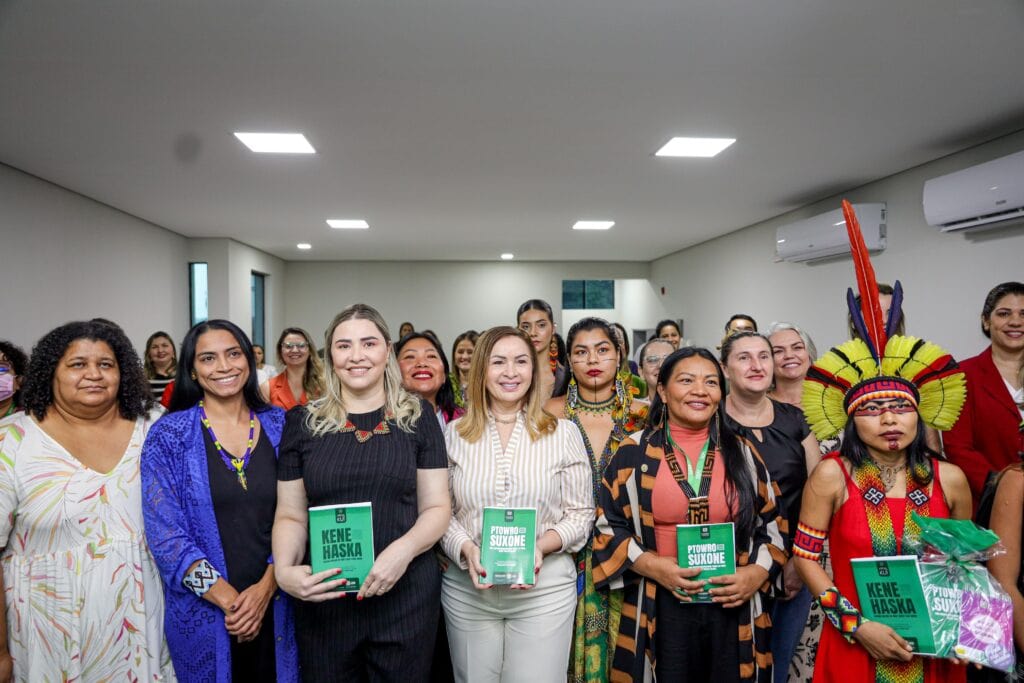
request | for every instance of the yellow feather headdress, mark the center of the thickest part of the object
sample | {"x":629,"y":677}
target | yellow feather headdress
{"x":855,"y":371}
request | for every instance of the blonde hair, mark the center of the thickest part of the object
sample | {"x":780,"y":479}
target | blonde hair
{"x":312,"y":374}
{"x":473,"y":425}
{"x":329,"y":413}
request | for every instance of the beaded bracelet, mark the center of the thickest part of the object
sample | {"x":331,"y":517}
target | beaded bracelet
{"x":201,"y":578}
{"x":841,"y":612}
{"x":809,"y":542}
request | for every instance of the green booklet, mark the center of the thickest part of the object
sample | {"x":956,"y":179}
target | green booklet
{"x":507,"y":543}
{"x":711,"y":547}
{"x":890,"y":592}
{"x":342,"y":536}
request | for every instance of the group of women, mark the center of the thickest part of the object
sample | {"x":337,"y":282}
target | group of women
{"x":178,"y":547}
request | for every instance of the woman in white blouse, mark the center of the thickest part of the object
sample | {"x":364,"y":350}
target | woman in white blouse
{"x":507,"y":452}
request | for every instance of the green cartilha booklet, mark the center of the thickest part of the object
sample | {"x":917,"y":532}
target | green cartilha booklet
{"x":890,"y":592}
{"x":711,"y":547}
{"x":342,"y":536}
{"x":507,"y":542}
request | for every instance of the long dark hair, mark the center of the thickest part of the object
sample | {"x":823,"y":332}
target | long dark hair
{"x":536,"y":305}
{"x":589,"y":324}
{"x":919,"y":455}
{"x":134,"y":398}
{"x":993,"y":297}
{"x":445,"y":398}
{"x":739,"y":486}
{"x":187,"y":391}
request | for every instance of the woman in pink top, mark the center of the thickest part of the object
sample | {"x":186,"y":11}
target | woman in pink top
{"x":689,"y":468}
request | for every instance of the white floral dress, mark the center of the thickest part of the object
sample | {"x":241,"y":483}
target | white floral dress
{"x":84,"y":600}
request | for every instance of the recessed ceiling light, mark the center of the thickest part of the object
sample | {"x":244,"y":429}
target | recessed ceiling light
{"x":276,"y":143}
{"x":593,"y":225}
{"x":347,"y":224}
{"x":694,"y":147}
{"x":507,"y":256}
{"x":304,"y":246}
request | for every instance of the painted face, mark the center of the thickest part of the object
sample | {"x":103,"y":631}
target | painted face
{"x":422,"y":369}
{"x":594,"y":358}
{"x":87,"y":378}
{"x":509,"y":372}
{"x":670,"y":334}
{"x":886,"y":426}
{"x":749,"y":365}
{"x":257,"y":351}
{"x":464,"y":355}
{"x":220,"y":364}
{"x":359,"y":355}
{"x":792,"y":359}
{"x":160,"y":351}
{"x":654,"y":355}
{"x":1005,"y":324}
{"x":294,"y":350}
{"x":692,"y":393}
{"x":539,"y":327}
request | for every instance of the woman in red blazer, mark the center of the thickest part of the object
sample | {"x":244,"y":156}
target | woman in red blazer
{"x":990,"y":433}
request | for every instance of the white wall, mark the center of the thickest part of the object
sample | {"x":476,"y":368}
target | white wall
{"x":65,"y":257}
{"x":231,"y":265}
{"x":448,"y":297}
{"x":945,"y":276}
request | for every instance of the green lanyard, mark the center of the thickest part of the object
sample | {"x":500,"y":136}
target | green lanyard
{"x":693,"y":473}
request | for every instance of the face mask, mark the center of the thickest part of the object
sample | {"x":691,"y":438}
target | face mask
{"x":6,"y":386}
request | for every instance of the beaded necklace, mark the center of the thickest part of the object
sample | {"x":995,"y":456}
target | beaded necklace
{"x":234,"y":464}
{"x":362,"y":436}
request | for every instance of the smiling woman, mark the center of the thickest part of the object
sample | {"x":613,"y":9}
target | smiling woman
{"x":79,"y":442}
{"x":209,"y":475}
{"x":367,"y":440}
{"x":425,"y":372}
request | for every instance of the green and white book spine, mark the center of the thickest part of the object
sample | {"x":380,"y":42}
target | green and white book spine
{"x":341,"y":536}
{"x":891,"y":593}
{"x":507,"y":542}
{"x":709,"y":547}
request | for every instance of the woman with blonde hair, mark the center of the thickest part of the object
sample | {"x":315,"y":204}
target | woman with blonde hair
{"x":366,"y":440}
{"x":508,"y":452}
{"x":301,"y":380}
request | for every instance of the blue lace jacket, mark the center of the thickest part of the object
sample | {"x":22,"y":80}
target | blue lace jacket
{"x":181,"y":528}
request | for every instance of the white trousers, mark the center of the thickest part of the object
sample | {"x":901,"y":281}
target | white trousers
{"x":502,"y":635}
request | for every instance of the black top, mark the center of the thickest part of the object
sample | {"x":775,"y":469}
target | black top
{"x":781,"y":448}
{"x":336,"y":468}
{"x":244,"y":517}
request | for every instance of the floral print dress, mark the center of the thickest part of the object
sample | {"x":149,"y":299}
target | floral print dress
{"x":84,"y":601}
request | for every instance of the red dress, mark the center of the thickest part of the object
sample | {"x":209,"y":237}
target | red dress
{"x":849,"y":537}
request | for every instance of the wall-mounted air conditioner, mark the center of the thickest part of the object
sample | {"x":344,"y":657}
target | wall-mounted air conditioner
{"x":824,"y":236}
{"x":989,"y":195}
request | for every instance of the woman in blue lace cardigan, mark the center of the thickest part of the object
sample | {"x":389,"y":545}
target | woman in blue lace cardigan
{"x":209,"y":494}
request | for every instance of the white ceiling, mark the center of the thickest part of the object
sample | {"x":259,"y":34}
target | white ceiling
{"x":464,"y":128}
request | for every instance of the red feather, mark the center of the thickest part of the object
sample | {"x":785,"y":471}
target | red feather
{"x":867,"y":285}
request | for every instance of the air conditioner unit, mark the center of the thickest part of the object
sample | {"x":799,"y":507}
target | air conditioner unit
{"x":824,"y":236}
{"x":989,"y":195}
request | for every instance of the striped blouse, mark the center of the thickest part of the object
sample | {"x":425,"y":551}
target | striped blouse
{"x":551,"y":474}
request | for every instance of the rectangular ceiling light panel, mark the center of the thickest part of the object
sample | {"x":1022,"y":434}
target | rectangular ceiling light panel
{"x":347,"y":224}
{"x":593,"y":225}
{"x":694,"y":147}
{"x":276,"y":143}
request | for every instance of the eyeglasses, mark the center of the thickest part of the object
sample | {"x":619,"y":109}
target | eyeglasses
{"x":654,"y":360}
{"x":295,"y":346}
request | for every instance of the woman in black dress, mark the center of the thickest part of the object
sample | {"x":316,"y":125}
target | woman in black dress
{"x":781,"y":435}
{"x":366,"y":440}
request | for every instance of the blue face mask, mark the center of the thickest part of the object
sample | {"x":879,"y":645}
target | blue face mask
{"x":6,"y":385}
